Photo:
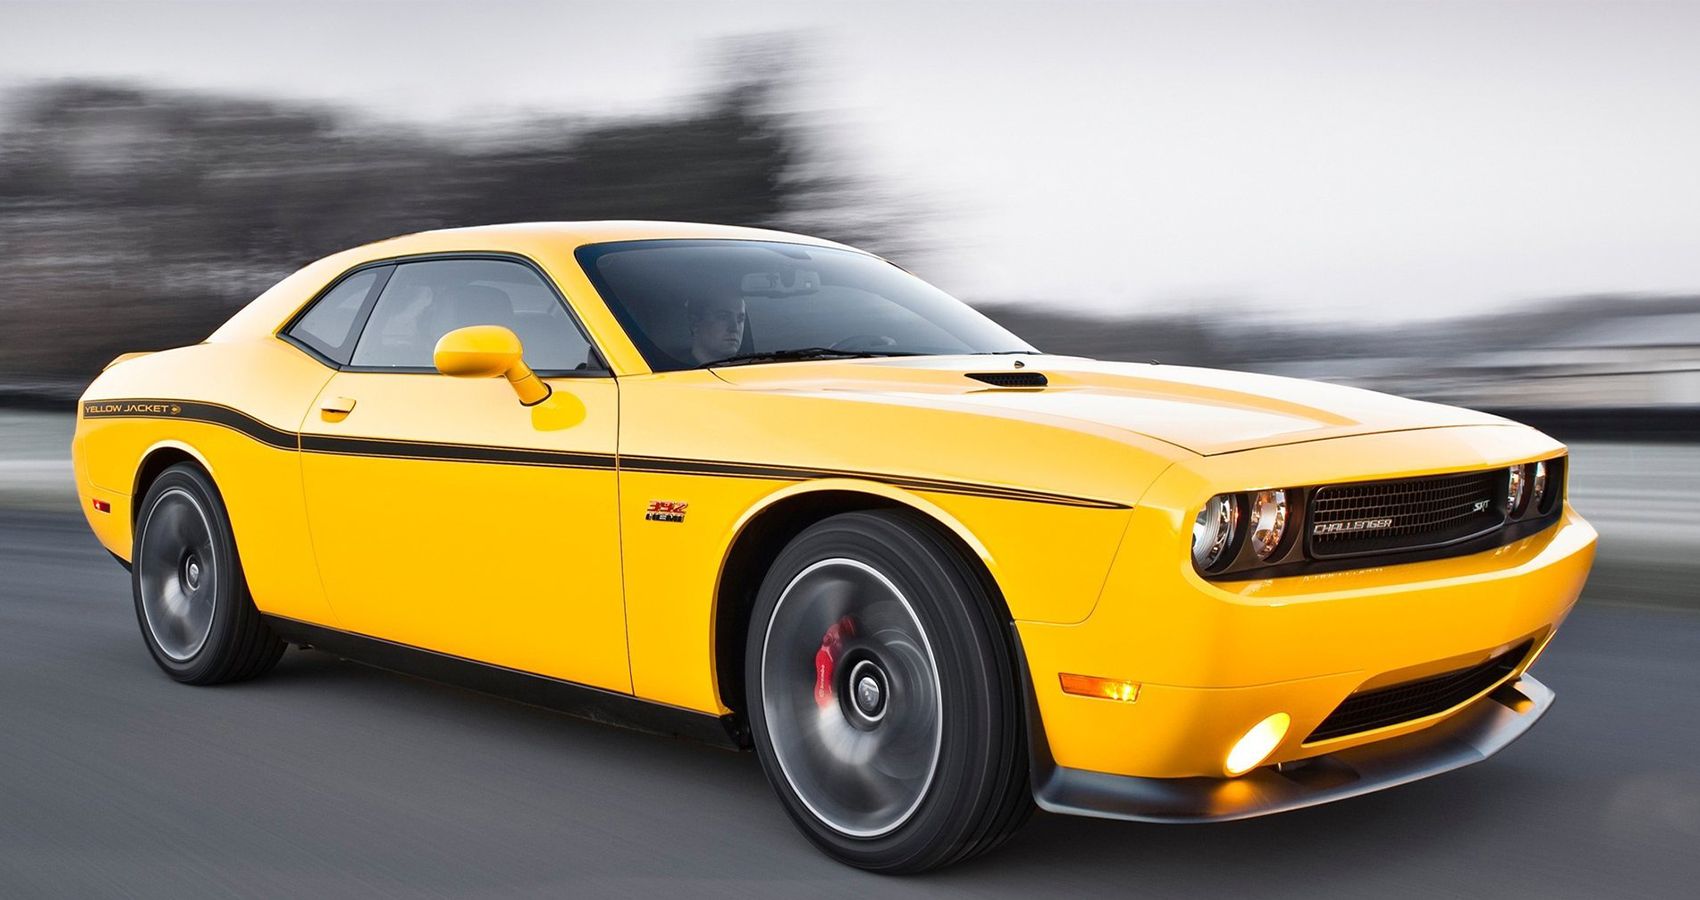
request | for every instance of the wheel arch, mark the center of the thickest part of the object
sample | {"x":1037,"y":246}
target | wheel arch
{"x":154,"y":461}
{"x":764,"y":531}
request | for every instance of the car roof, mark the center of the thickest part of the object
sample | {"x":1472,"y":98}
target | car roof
{"x":593,"y":232}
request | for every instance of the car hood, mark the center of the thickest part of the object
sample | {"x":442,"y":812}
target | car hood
{"x":1206,"y":411}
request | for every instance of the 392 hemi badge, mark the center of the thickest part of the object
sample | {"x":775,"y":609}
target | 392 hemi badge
{"x":666,"y":511}
{"x":1354,"y":525}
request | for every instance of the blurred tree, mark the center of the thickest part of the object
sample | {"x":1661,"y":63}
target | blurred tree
{"x":134,"y":219}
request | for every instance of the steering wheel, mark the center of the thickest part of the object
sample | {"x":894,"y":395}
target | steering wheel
{"x":865,"y":342}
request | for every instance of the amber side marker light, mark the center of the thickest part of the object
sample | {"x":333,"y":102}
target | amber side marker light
{"x":1257,"y":744}
{"x":1102,"y":688}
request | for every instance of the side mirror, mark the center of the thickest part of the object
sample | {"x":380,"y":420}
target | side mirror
{"x":485,"y":351}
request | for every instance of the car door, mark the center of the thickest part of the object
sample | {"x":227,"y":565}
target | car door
{"x":446,"y":515}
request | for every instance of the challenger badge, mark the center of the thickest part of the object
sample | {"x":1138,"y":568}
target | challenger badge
{"x":1354,"y":525}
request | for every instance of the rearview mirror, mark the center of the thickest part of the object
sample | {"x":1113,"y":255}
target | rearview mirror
{"x":485,"y":351}
{"x":791,"y":283}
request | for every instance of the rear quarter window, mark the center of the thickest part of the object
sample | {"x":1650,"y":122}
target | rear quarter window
{"x":329,"y":327}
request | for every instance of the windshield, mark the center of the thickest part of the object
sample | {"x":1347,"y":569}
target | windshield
{"x":694,"y":303}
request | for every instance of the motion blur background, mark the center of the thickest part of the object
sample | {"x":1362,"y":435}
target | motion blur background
{"x":1495,"y":205}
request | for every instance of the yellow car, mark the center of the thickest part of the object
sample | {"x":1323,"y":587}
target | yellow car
{"x":772,"y":491}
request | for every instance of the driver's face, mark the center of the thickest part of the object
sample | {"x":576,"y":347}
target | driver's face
{"x":717,"y":331}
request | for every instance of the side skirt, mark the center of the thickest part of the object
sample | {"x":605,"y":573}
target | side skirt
{"x":596,"y":704}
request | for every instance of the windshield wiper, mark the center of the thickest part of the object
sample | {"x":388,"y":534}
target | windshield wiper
{"x":799,"y":353}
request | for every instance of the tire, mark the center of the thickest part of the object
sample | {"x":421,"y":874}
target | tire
{"x":192,"y":601}
{"x":928,"y":765}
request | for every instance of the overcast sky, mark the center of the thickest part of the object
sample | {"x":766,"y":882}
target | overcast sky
{"x":1322,"y":159}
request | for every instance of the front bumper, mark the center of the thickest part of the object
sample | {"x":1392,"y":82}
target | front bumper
{"x":1468,"y":736}
{"x":1214,"y":657}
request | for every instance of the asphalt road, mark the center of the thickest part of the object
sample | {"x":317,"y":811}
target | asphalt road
{"x":332,"y":778}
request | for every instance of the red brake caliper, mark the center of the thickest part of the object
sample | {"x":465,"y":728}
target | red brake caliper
{"x":826,"y":659}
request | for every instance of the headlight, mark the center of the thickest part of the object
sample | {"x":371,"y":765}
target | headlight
{"x":1538,"y":494}
{"x":1268,"y":521}
{"x":1213,"y":530}
{"x":1517,"y":491}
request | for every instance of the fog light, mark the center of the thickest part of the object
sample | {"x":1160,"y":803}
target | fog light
{"x":1257,"y":744}
{"x":1106,"y":688}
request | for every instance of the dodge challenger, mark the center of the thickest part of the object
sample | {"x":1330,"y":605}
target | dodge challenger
{"x":777,"y":493}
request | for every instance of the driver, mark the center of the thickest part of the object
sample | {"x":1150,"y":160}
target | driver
{"x":717,"y":327}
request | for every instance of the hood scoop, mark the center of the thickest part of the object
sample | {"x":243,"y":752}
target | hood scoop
{"x":1011,"y":379}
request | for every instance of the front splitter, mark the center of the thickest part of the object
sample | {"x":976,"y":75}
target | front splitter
{"x":1467,"y":737}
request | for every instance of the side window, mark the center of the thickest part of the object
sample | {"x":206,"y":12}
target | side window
{"x":329,"y":326}
{"x":425,"y":300}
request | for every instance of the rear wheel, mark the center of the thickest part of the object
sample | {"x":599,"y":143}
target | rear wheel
{"x":192,"y":600}
{"x":882,"y":697}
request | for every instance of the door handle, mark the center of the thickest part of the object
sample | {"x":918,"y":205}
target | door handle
{"x":340,"y":406}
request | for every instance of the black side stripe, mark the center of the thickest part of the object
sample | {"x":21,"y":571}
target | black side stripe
{"x":236,"y":420}
{"x":665,"y":465}
{"x":195,"y":411}
{"x":511,"y":456}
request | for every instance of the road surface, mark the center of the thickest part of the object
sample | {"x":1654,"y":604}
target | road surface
{"x":331,"y":778}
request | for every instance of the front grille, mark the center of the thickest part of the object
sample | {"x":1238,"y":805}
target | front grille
{"x":1408,"y":514}
{"x":1381,"y":707}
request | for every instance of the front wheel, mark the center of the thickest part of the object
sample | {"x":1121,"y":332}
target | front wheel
{"x":191,"y":597}
{"x":882,"y":695}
